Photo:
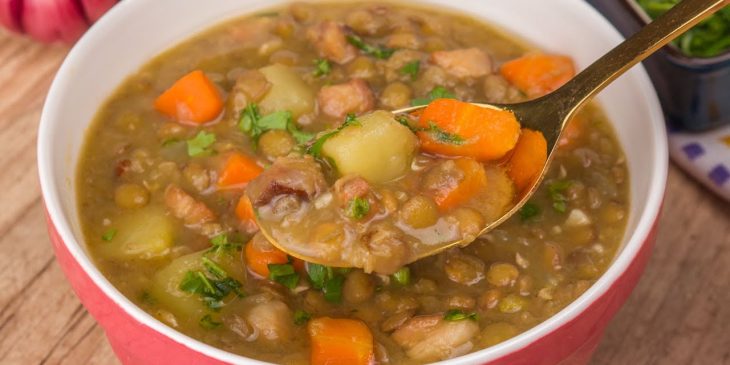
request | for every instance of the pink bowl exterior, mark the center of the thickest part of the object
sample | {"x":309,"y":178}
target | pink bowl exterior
{"x":573,"y":343}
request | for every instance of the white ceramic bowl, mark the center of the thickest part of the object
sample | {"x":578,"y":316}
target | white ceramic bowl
{"x":136,"y":30}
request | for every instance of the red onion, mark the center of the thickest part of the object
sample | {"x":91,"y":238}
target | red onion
{"x":52,"y":20}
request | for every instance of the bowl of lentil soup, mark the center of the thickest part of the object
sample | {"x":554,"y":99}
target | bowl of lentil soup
{"x":121,"y":172}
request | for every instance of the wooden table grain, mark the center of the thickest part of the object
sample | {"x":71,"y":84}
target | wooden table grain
{"x":678,"y":314}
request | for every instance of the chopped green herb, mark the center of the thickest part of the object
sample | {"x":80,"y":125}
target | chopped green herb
{"x":443,"y":136}
{"x":211,"y":290}
{"x":220,"y":243}
{"x":709,"y":38}
{"x":322,"y":67}
{"x":358,"y":208}
{"x":316,"y":148}
{"x":318,"y":274}
{"x":458,"y":315}
{"x":209,"y":323}
{"x":529,"y":210}
{"x":380,"y":52}
{"x":147,"y":298}
{"x":301,"y":317}
{"x":403,"y":276}
{"x":200,"y":144}
{"x":252,"y":123}
{"x":412,"y":68}
{"x":438,"y":92}
{"x":556,"y":190}
{"x":284,"y":274}
{"x":109,"y":235}
{"x":333,"y":289}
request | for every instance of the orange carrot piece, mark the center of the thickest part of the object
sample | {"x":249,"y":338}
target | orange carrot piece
{"x":340,"y":341}
{"x":528,"y":159}
{"x":193,"y":98}
{"x":238,"y":170}
{"x":260,"y":253}
{"x":245,"y":214}
{"x":573,"y":130}
{"x":456,"y":128}
{"x":474,"y":182}
{"x":537,"y":74}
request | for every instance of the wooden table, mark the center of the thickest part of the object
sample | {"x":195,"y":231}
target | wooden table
{"x":679,"y":313}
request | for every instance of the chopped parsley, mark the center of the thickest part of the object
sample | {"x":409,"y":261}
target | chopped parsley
{"x":380,"y":52}
{"x":200,"y":144}
{"x":403,"y":276}
{"x":213,"y":287}
{"x":412,"y":69}
{"x":220,"y":243}
{"x":709,"y":38}
{"x":529,"y":210}
{"x":438,"y":92}
{"x":284,"y":274}
{"x":316,"y":148}
{"x":328,"y":280}
{"x":301,"y":317}
{"x":443,"y":136}
{"x":556,"y":190}
{"x":209,"y":323}
{"x":322,"y":67}
{"x":358,"y":208}
{"x":458,"y":315}
{"x":109,"y":235}
{"x":253,"y":124}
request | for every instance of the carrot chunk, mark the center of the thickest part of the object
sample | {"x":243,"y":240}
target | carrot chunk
{"x":528,"y":159}
{"x":340,"y":341}
{"x":537,"y":74}
{"x":193,"y":99}
{"x":238,"y":170}
{"x":260,"y":253}
{"x":454,"y":128}
{"x":473,"y":182}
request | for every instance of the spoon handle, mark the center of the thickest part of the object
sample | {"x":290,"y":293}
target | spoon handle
{"x":646,"y":41}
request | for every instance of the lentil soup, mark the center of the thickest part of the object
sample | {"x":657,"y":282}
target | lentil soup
{"x":263,"y":117}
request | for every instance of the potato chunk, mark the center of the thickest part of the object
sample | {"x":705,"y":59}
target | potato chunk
{"x":288,"y":92}
{"x":378,"y":148}
{"x":142,"y":233}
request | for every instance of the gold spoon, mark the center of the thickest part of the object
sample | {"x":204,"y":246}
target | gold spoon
{"x":550,"y":113}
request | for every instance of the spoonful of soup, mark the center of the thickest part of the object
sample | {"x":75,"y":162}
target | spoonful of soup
{"x":387,"y":188}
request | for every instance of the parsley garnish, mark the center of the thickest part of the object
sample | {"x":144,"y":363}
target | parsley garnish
{"x":283,"y":274}
{"x":322,"y":67}
{"x":200,"y":144}
{"x":380,"y":52}
{"x":357,"y":208}
{"x":301,"y":317}
{"x":458,"y":315}
{"x":529,"y":210}
{"x":220,"y":243}
{"x":412,"y":68}
{"x":213,"y":289}
{"x":402,"y":276}
{"x":556,"y":190}
{"x":316,"y":148}
{"x":443,"y":136}
{"x":328,"y":280}
{"x":109,"y":235}
{"x":438,"y":92}
{"x":209,"y":323}
{"x":253,"y":124}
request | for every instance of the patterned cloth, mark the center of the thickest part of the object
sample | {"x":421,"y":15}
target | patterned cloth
{"x":706,"y":156}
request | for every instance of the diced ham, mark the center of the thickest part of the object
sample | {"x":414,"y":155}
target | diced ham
{"x":300,"y":176}
{"x":463,"y":63}
{"x":183,"y":206}
{"x":328,"y":37}
{"x":432,"y":338}
{"x":353,"y":96}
